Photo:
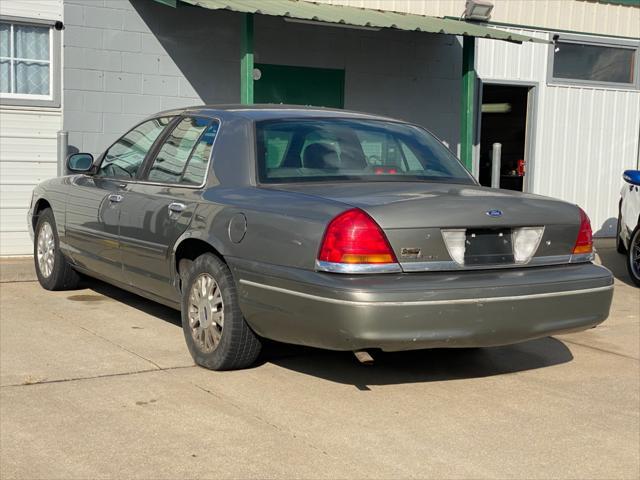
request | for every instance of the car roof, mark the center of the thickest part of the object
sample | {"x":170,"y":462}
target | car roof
{"x":272,"y":111}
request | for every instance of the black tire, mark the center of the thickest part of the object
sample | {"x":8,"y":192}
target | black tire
{"x":634,"y":246}
{"x":62,"y":276}
{"x":619,"y":243}
{"x":238,"y":346}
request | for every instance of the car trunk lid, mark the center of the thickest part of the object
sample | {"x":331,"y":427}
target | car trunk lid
{"x":417,"y":216}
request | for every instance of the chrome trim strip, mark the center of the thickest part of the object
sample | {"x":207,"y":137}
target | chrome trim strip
{"x":549,"y":260}
{"x":431,"y":266}
{"x":449,"y":265}
{"x":358,"y":268}
{"x":582,"y":257}
{"x":426,"y":302}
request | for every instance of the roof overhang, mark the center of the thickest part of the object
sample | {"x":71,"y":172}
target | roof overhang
{"x":339,"y":15}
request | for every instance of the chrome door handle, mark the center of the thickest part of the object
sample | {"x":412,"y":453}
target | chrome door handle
{"x":176,"y":207}
{"x":115,"y":198}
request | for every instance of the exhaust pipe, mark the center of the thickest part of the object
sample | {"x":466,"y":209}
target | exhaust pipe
{"x":363,"y":357}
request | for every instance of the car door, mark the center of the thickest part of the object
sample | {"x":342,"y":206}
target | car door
{"x":93,"y":206}
{"x":158,"y":209}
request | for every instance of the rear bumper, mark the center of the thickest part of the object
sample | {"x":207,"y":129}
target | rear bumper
{"x":413,"y":311}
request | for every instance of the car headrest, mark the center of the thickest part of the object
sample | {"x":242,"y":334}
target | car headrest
{"x":321,"y":156}
{"x":353,"y":160}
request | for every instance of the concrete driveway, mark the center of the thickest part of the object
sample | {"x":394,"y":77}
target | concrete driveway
{"x":97,"y":383}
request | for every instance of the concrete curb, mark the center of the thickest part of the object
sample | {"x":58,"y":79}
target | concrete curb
{"x":17,"y":269}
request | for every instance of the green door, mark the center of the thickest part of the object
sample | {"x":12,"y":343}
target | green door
{"x":320,"y":87}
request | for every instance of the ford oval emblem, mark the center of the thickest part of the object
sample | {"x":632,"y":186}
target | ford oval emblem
{"x":494,"y":213}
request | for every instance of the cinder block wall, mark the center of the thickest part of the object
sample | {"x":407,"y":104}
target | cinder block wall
{"x":126,"y":59}
{"x":408,"y":75}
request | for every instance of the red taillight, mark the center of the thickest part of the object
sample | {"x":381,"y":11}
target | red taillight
{"x":354,"y":237}
{"x":584,"y":242}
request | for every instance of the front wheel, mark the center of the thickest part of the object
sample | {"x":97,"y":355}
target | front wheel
{"x":216,"y":333}
{"x":633,"y":256}
{"x":52,"y":269}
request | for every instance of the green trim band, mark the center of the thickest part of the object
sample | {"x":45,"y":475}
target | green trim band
{"x":468,"y":90}
{"x":626,"y":3}
{"x":246,"y":59}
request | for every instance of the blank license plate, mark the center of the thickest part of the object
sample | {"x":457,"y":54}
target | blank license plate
{"x":488,"y":246}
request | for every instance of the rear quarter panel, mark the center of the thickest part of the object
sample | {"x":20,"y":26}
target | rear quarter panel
{"x":281,"y":228}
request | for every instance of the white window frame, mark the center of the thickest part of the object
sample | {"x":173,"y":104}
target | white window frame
{"x":35,"y":100}
{"x":598,"y":42}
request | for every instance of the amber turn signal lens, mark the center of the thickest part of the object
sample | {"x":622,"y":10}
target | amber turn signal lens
{"x":376,"y":258}
{"x":583,"y":249}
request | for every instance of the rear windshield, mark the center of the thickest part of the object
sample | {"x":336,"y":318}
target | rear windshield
{"x":353,"y":150}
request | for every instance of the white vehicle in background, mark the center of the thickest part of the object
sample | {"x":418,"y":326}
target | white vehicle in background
{"x":628,"y":236}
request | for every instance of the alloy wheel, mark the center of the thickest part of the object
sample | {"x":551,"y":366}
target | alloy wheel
{"x":206,"y":313}
{"x":46,"y":250}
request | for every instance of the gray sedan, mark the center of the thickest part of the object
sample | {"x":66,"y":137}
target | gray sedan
{"x":318,"y":227}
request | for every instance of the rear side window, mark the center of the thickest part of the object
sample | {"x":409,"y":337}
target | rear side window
{"x":124,"y":158}
{"x":196,"y":170}
{"x":184,"y":156}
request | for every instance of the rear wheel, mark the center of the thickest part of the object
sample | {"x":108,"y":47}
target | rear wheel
{"x":633,"y":256}
{"x":52,"y":269}
{"x":216,"y":333}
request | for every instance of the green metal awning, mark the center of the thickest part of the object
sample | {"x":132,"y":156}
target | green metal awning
{"x":358,"y":17}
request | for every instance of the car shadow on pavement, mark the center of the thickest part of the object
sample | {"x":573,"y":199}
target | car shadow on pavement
{"x":614,"y":261}
{"x":420,"y":365}
{"x":388,"y":368}
{"x":140,"y":303}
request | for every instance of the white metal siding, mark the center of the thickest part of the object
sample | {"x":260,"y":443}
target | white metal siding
{"x":27,"y":145}
{"x":42,"y":9}
{"x":581,"y":156}
{"x":27,"y":157}
{"x":574,"y":15}
{"x":584,"y":137}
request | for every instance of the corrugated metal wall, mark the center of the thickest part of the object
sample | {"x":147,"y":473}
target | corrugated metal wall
{"x":27,"y":156}
{"x":44,"y":9}
{"x":576,"y":15}
{"x":27,"y":145}
{"x":584,"y":137}
{"x":582,"y":154}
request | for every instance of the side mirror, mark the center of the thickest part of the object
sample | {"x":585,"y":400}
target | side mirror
{"x":632,"y":177}
{"x":80,"y":162}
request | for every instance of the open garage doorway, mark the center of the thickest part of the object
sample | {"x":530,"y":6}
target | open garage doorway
{"x":506,"y":118}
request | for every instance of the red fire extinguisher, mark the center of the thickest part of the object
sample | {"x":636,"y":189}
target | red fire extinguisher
{"x":521,"y":168}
